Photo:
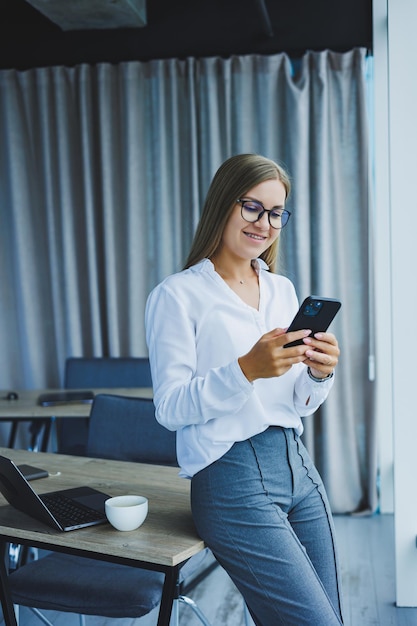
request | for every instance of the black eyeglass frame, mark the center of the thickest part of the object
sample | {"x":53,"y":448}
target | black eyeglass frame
{"x":285,"y":212}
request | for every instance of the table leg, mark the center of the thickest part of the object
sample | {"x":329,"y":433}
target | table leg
{"x":13,"y":434}
{"x":46,"y":434}
{"x":169,"y":592}
{"x":35,"y":429}
{"x":6,"y":600}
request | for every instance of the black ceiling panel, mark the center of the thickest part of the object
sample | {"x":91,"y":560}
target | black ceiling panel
{"x":182,"y":28}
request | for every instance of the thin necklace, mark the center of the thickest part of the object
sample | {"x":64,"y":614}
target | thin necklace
{"x":219,"y":271}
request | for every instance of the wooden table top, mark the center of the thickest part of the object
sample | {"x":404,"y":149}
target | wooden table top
{"x":26,"y":406}
{"x":167,"y":537}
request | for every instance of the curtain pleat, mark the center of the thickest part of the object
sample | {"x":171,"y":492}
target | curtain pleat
{"x":103,"y":172}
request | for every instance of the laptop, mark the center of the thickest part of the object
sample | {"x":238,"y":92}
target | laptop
{"x":67,"y":509}
{"x":55,"y":398}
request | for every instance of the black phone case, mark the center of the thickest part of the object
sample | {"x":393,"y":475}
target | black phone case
{"x":32,"y":473}
{"x":316,"y":314}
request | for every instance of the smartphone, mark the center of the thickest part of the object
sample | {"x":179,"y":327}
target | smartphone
{"x":32,"y":473}
{"x":316,"y":314}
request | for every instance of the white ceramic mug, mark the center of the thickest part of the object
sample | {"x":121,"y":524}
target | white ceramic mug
{"x":126,"y":512}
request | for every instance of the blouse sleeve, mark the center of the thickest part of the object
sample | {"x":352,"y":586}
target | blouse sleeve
{"x":308,"y":394}
{"x":181,"y":397}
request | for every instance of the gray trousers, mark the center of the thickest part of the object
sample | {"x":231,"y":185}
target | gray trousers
{"x":263,"y":511}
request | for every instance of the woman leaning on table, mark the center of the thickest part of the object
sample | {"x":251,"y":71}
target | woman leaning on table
{"x":235,"y":396}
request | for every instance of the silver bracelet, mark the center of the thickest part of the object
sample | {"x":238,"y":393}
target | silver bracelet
{"x":319,"y":380}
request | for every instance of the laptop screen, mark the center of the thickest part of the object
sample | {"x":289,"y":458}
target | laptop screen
{"x":19,"y":493}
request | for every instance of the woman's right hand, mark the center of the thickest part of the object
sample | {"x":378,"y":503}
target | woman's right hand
{"x":268,"y":357}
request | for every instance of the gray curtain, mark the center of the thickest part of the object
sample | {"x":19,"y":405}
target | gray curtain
{"x":103,"y":170}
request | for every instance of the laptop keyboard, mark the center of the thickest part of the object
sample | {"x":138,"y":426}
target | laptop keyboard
{"x":68,"y":512}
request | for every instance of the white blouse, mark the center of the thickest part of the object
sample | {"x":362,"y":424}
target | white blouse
{"x":196,"y":328}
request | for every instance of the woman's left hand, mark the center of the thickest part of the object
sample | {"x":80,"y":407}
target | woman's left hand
{"x":322,"y":355}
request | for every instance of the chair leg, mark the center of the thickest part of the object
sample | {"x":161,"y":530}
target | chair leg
{"x":40,"y":616}
{"x":189,"y":602}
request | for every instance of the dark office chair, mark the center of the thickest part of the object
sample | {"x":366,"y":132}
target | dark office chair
{"x":124,"y":429}
{"x":97,"y":372}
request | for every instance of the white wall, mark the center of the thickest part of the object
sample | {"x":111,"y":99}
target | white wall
{"x":382,"y":259}
{"x":396,"y":258}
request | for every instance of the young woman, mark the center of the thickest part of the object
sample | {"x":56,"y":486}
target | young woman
{"x":223,"y":380}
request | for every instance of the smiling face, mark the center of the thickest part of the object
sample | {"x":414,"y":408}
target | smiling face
{"x":243,"y":241}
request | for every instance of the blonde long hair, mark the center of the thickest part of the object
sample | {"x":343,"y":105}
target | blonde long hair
{"x":234,"y":178}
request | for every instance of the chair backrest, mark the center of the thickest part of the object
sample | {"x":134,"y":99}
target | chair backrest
{"x":99,"y":372}
{"x":125,"y":428}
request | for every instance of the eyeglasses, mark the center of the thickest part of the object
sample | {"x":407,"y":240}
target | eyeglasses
{"x":252,"y":211}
